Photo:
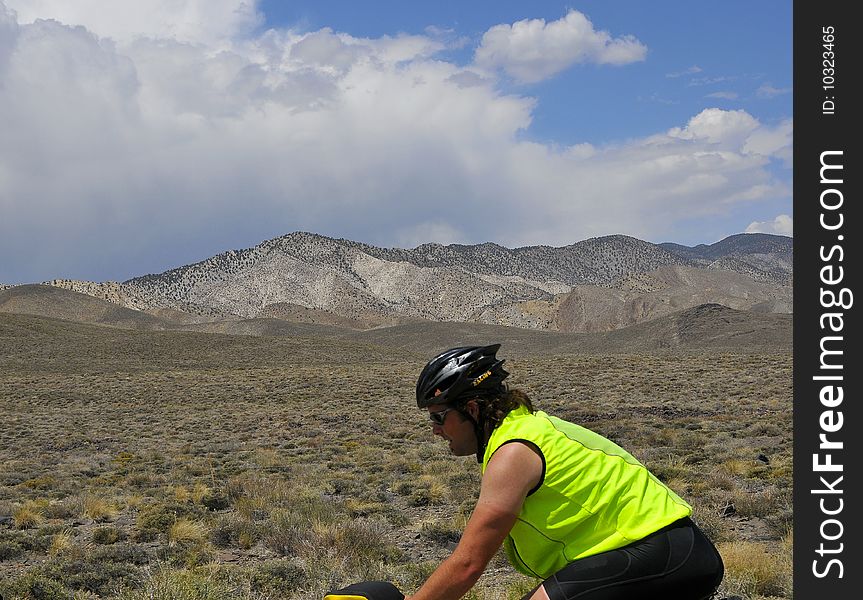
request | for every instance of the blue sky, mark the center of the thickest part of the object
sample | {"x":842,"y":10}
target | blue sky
{"x":140,"y":136}
{"x":738,"y":47}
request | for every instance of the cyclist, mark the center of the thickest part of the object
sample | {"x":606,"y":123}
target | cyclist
{"x":569,"y":507}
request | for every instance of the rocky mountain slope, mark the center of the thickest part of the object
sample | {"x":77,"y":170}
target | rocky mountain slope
{"x":763,"y":257}
{"x":594,"y":285}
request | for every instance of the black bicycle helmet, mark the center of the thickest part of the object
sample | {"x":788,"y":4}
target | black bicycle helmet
{"x":459,"y":371}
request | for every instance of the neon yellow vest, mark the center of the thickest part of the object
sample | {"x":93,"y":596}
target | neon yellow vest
{"x":594,"y":496}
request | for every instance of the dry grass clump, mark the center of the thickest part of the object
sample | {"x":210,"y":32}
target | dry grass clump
{"x":62,"y":543}
{"x":755,"y":569}
{"x":360,"y":545}
{"x":446,"y":533}
{"x":763,"y":503}
{"x":98,"y":509}
{"x":28,"y":515}
{"x":187,"y":533}
{"x":429,"y":489}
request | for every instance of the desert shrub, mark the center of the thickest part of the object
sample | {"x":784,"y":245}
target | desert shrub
{"x":720,"y":481}
{"x":63,"y":509}
{"x":268,"y":458}
{"x":764,"y":503}
{"x":52,"y":529}
{"x":278,"y":578}
{"x":738,"y":466}
{"x":211,"y":499}
{"x":270,"y":491}
{"x":360,"y":541}
{"x":415,"y":574}
{"x":403,"y":487}
{"x":345,"y":484}
{"x":762,"y":428}
{"x":34,"y":586}
{"x":199,"y":492}
{"x":233,"y":530}
{"x":89,"y":575}
{"x":152,"y":523}
{"x":441,"y":532}
{"x":10,"y":549}
{"x":187,"y":543}
{"x":106,"y":535}
{"x":396,"y":517}
{"x":464,"y":486}
{"x":185,"y":584}
{"x":27,"y":541}
{"x":285,"y":531}
{"x":123,"y":460}
{"x":782,"y":521}
{"x":120,"y":553}
{"x":312,"y":506}
{"x":156,"y":519}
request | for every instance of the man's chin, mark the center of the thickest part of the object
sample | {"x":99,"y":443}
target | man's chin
{"x":458,"y":451}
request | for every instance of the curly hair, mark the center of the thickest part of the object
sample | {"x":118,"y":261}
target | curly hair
{"x":496,"y":405}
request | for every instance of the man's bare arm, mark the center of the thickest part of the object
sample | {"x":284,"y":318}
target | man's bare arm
{"x":513,"y":471}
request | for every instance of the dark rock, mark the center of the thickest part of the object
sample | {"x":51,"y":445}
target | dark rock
{"x":727,"y":510}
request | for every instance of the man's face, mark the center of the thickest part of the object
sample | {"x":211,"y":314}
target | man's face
{"x":456,"y":429}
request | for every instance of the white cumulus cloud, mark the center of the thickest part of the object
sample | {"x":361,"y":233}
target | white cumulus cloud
{"x":781,"y":225}
{"x":714,"y":125}
{"x":532,"y":49}
{"x":119,"y":158}
{"x":195,"y":21}
{"x":772,"y":141}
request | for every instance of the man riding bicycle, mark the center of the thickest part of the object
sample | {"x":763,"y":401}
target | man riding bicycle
{"x":568,"y":506}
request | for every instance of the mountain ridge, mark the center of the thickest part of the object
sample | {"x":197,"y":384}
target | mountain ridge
{"x":304,"y":275}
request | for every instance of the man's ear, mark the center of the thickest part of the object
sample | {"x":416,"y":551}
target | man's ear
{"x":472,"y":408}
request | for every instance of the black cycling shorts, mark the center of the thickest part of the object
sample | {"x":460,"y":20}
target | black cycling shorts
{"x":677,"y":562}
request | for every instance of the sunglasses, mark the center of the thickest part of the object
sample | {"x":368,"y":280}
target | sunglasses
{"x":439,"y":417}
